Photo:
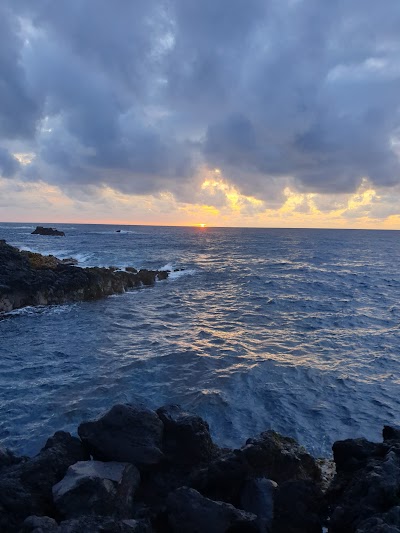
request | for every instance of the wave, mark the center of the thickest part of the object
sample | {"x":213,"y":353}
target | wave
{"x":30,"y":310}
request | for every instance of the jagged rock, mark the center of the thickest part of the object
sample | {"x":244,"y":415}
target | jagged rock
{"x":69,"y":261}
{"x":298,"y":508}
{"x":41,"y":230}
{"x":190,"y":512}
{"x":126,"y":433}
{"x":351,"y":454}
{"x":94,"y":487}
{"x":391,"y":433}
{"x":223,"y":478}
{"x":187,"y":437}
{"x":39,"y":524}
{"x":27,"y":278}
{"x":257,"y":497}
{"x":368,"y":492}
{"x":8,"y":458}
{"x":279,"y":458}
{"x":131,"y":269}
{"x":26,"y":488}
{"x":386,"y":523}
{"x":92,"y":524}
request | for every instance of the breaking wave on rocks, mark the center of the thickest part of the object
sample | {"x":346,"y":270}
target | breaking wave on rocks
{"x":294,"y":330}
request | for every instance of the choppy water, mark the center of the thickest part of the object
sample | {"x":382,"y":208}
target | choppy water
{"x":295,"y":330}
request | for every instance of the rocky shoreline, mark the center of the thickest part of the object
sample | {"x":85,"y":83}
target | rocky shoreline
{"x":134,"y":470}
{"x":27,"y":278}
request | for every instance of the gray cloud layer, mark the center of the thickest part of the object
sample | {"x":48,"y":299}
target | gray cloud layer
{"x":138,"y":95}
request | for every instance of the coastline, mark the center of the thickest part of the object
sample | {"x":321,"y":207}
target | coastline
{"x":31,"y":279}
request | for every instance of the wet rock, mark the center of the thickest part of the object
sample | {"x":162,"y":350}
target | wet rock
{"x":26,"y":488}
{"x":69,"y":261}
{"x":131,"y":269}
{"x":39,"y":524}
{"x":27,"y":278}
{"x":279,"y":458}
{"x":189,"y":512}
{"x":126,"y":433}
{"x":161,"y":275}
{"x":40,"y":230}
{"x":187,"y":437}
{"x":94,"y":487}
{"x":257,"y":497}
{"x":298,"y":508}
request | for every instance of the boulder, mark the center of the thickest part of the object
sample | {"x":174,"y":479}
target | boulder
{"x":8,"y":458}
{"x":190,"y":512}
{"x":386,"y":523}
{"x":97,"y":488}
{"x":26,"y":488}
{"x":369,"y":492}
{"x":126,"y":433}
{"x":298,"y":508}
{"x":279,"y":458}
{"x":92,"y":524}
{"x":351,"y":454}
{"x":39,"y":524}
{"x":257,"y":497}
{"x":391,"y":433}
{"x":41,"y":230}
{"x":187,"y":438}
{"x":223,"y":478}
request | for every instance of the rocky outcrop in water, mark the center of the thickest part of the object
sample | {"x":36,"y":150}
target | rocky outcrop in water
{"x":40,"y":230}
{"x":270,"y":485}
{"x":27,"y":278}
{"x":52,"y":232}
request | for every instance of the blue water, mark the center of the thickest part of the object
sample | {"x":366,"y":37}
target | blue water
{"x":295,"y":330}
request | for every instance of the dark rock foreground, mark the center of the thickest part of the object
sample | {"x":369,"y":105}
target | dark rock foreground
{"x":135,"y":470}
{"x":28,"y":278}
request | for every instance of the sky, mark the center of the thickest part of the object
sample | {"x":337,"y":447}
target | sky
{"x":260,"y":113}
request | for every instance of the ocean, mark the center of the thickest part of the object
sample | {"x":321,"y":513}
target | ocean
{"x":295,"y":330}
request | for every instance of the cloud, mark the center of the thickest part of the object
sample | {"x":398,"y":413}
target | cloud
{"x":8,"y":164}
{"x":142,"y":96}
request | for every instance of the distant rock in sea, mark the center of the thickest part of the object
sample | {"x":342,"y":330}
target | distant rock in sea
{"x":28,"y":278}
{"x":40,"y":230}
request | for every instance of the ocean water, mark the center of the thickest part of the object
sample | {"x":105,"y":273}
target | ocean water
{"x":294,"y":330}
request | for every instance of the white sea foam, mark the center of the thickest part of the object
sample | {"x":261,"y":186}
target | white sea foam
{"x":175,"y":275}
{"x":41,"y":309}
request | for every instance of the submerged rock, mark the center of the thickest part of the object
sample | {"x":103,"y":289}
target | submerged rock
{"x":126,"y":433}
{"x":41,"y":230}
{"x":189,"y":512}
{"x":97,"y":488}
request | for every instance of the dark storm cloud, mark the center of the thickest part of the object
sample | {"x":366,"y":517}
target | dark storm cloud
{"x":8,"y":164}
{"x":138,"y":95}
